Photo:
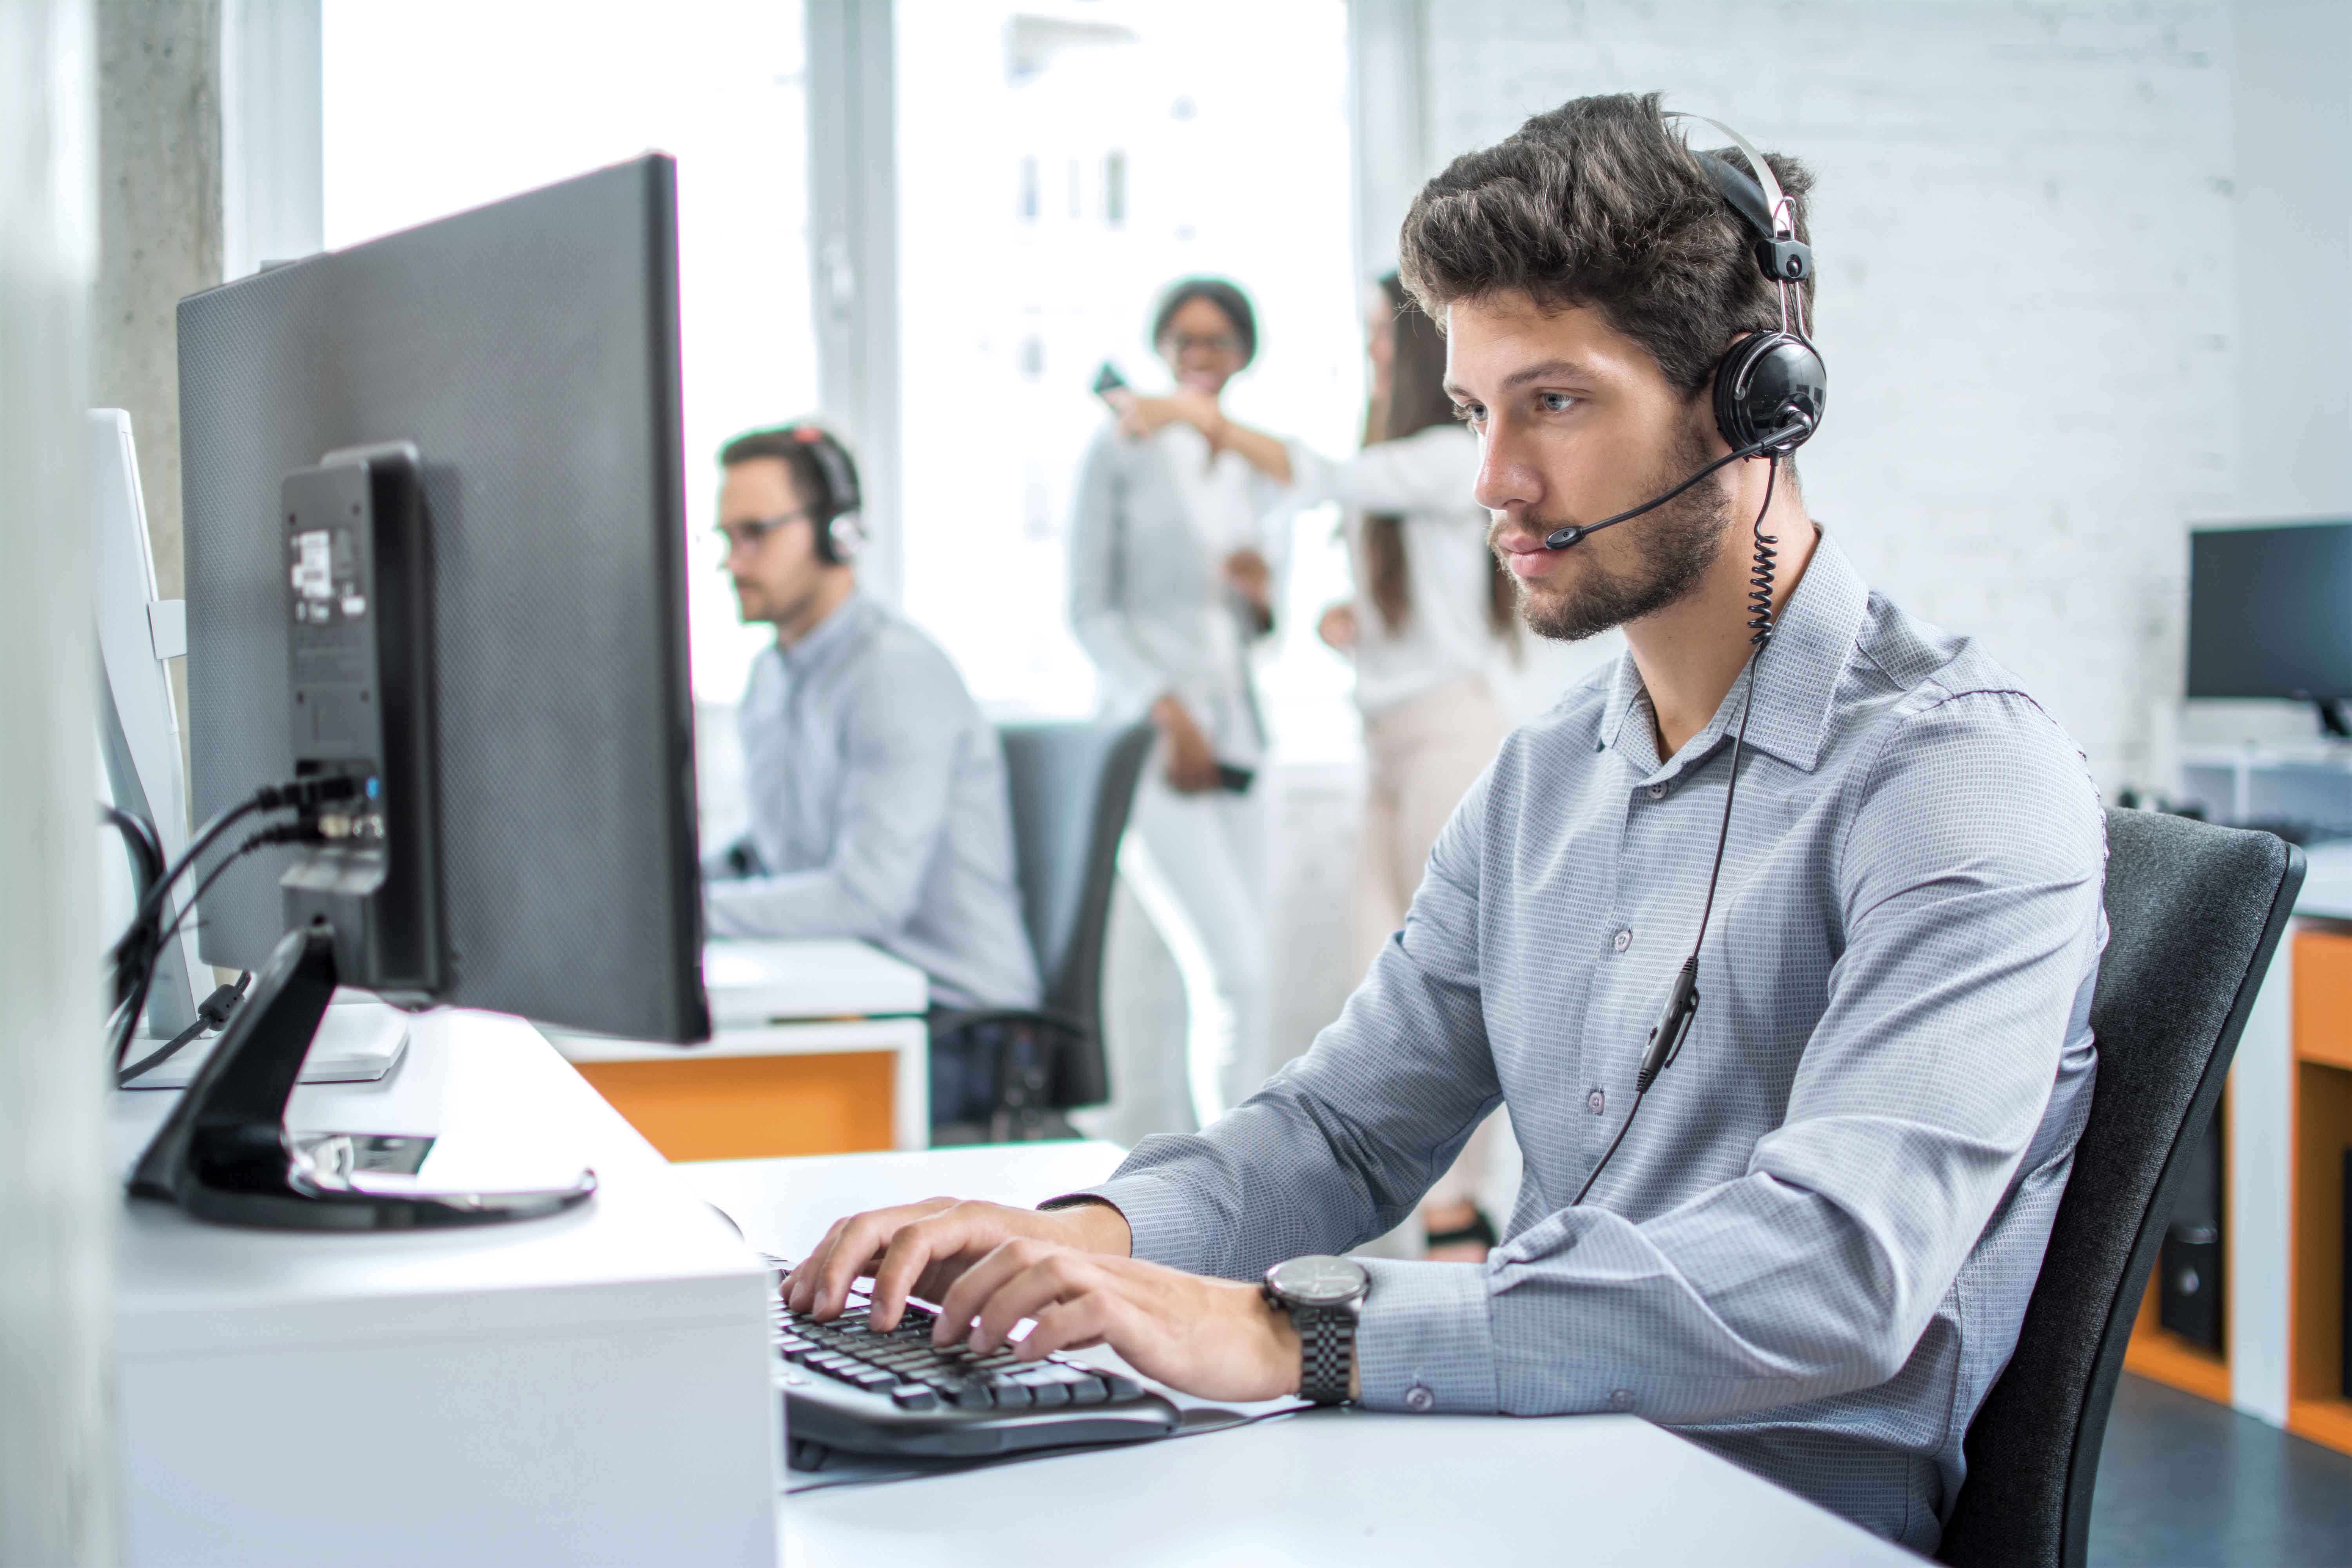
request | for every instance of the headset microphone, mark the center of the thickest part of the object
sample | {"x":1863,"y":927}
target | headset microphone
{"x":1780,"y":440}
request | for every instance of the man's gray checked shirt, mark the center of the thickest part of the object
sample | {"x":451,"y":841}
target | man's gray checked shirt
{"x":1814,"y":1251}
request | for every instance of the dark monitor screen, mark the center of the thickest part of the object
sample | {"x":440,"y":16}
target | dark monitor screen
{"x":2270,"y":611}
{"x":529,"y":350}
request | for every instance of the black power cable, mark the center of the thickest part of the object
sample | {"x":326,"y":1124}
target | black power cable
{"x":144,"y":940}
{"x":212,"y":1013}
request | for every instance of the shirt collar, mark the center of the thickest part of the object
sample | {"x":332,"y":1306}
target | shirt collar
{"x":832,"y":637}
{"x":1811,"y":642}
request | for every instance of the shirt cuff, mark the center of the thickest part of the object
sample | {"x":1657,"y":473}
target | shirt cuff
{"x":1159,"y":1221}
{"x":1423,"y":1341}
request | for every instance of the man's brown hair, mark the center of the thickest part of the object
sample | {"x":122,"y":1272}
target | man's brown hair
{"x":1599,"y":203}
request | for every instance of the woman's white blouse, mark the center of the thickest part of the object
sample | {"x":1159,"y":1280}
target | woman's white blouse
{"x":1425,"y":480}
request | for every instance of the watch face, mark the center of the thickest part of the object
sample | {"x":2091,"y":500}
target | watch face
{"x":1318,"y":1281}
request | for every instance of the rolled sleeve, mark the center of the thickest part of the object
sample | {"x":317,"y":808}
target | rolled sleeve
{"x":1424,"y":1342}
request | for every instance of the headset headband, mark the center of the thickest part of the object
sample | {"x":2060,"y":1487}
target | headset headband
{"x":1779,"y":216}
{"x":1758,"y":197}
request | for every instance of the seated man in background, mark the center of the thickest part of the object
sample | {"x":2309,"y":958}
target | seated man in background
{"x":1813,"y":1254}
{"x":876,"y":791}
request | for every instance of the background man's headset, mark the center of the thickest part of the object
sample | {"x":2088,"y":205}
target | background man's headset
{"x":840,"y":532}
{"x":1771,"y":391}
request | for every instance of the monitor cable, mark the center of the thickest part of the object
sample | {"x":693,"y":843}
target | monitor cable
{"x":1674,"y":1025}
{"x":142,"y":941}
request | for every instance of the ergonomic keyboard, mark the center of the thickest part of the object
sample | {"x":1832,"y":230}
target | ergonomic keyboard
{"x":850,"y":1390}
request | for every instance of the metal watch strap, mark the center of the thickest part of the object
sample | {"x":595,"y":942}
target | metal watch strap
{"x":1327,"y":1351}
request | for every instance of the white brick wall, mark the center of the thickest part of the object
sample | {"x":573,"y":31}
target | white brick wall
{"x":2026,"y":301}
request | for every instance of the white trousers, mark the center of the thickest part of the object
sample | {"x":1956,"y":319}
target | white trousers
{"x":1191,"y":861}
{"x":1423,"y":754}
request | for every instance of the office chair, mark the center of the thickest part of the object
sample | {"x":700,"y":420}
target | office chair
{"x":2194,"y":914}
{"x":1072,"y":787}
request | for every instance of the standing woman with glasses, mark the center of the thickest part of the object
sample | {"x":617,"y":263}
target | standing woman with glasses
{"x":1431,"y":614}
{"x":1172,"y":580}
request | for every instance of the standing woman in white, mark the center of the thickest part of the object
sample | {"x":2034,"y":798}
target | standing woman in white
{"x":1430,"y":617}
{"x":1172,"y":580}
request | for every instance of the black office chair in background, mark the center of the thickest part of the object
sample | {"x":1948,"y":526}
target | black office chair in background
{"x":2194,"y":913}
{"x":1072,"y":787}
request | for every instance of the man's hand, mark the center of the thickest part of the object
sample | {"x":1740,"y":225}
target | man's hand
{"x":921,"y":1249}
{"x":1215,"y":1338}
{"x":1191,"y":765}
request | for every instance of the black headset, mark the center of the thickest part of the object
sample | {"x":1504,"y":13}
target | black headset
{"x":1771,"y":392}
{"x":1770,"y":387}
{"x":840,"y":531}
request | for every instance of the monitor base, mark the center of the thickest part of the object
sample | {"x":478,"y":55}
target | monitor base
{"x":224,"y":1154}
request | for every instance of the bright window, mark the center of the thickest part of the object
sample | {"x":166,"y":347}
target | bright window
{"x":1058,"y":163}
{"x":432,"y":106}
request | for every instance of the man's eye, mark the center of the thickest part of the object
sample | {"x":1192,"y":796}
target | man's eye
{"x":1469,"y":414}
{"x":1555,"y":401}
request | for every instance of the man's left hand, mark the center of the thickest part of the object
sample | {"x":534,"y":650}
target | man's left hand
{"x":1218,"y":1339}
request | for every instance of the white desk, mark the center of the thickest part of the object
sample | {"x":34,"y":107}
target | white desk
{"x":1342,"y":1488}
{"x":592,"y":1387}
{"x":804,"y":999}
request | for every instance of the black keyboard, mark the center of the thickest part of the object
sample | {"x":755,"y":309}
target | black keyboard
{"x":850,"y":1390}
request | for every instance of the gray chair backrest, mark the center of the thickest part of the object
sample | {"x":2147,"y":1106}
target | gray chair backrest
{"x":2194,"y":913}
{"x":1072,"y":785}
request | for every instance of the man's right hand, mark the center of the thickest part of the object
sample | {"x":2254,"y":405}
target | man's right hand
{"x":921,"y":1249}
{"x":1192,"y":766}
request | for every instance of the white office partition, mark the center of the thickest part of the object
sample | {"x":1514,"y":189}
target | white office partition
{"x":57,"y":1200}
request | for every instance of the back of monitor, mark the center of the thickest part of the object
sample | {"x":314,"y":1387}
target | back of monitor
{"x":139,"y":742}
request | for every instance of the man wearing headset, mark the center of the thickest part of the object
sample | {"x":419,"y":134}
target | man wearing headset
{"x":1813,"y":1253}
{"x":877,"y":793}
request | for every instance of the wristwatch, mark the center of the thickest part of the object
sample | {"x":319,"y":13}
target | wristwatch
{"x":1323,"y":1297}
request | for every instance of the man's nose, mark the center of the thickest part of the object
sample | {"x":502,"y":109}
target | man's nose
{"x":1504,"y":478}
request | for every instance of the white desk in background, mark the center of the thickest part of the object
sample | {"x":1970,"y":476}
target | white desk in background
{"x":592,"y":1387}
{"x":816,"y":1046}
{"x":1344,"y":1488}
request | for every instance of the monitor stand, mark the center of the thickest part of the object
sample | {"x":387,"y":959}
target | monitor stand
{"x":225,"y":1154}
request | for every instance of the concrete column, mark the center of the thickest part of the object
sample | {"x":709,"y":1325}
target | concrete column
{"x":58,"y":1195}
{"x":160,"y":230}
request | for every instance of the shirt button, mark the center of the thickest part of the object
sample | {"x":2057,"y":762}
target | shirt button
{"x":1596,"y":1103}
{"x":1658,"y":792}
{"x":1621,"y":1399}
{"x":1419,"y":1400}
{"x":1622,"y":940}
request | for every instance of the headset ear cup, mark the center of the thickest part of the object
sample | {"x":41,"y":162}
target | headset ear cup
{"x":1761,"y":382}
{"x":840,"y":539}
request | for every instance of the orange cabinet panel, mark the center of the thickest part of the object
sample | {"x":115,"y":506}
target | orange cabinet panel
{"x":752,"y":1108}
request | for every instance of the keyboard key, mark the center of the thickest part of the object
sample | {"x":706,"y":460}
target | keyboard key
{"x":973,"y":1397}
{"x":1010,"y":1395}
{"x":1088,"y":1390}
{"x":1053,"y":1391}
{"x":913,"y":1397}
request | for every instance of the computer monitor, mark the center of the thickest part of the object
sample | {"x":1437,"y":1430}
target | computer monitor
{"x":2270,"y":614}
{"x":433,"y":522}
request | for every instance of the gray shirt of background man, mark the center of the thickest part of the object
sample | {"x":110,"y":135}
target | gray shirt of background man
{"x":1814,"y":1251}
{"x":879,"y":811}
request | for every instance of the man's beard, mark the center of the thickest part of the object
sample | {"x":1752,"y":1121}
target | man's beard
{"x":1679,"y":542}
